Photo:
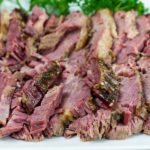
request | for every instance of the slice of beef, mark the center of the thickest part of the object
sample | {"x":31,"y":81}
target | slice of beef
{"x":75,"y":20}
{"x":92,"y":69}
{"x":34,"y":90}
{"x":4,"y":22}
{"x":40,"y":117}
{"x":146,"y":88}
{"x":146,"y":126}
{"x":8,"y":87}
{"x":91,"y":126}
{"x":132,"y":47}
{"x":35,"y":23}
{"x":135,"y":45}
{"x":126,"y":69}
{"x":130,"y":93}
{"x":107,"y":88}
{"x":76,"y":95}
{"x":5,"y":103}
{"x":15,"y":44}
{"x":15,"y":123}
{"x":119,"y":17}
{"x":52,"y":23}
{"x":31,"y":96}
{"x":55,"y":127}
{"x":66,"y":46}
{"x":75,"y":63}
{"x":84,"y":33}
{"x":50,"y":41}
{"x":131,"y":96}
{"x":4,"y":80}
{"x":104,"y":31}
{"x":143,"y":24}
{"x":130,"y":24}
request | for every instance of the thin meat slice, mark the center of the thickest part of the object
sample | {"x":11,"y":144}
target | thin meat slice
{"x":66,"y":46}
{"x":130,"y":24}
{"x":4,"y":80}
{"x":55,"y":127}
{"x":9,"y":82}
{"x":119,"y":17}
{"x":40,"y":117}
{"x":131,"y":96}
{"x":135,"y":45}
{"x":4,"y":22}
{"x":35,"y":23}
{"x":15,"y":44}
{"x":130,"y":93}
{"x":76,"y":95}
{"x":104,"y":31}
{"x":75,"y":63}
{"x":146,"y":88}
{"x":51,"y":40}
{"x":5,"y":103}
{"x":17,"y":120}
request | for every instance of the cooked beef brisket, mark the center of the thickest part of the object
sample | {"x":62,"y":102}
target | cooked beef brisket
{"x":74,"y":75}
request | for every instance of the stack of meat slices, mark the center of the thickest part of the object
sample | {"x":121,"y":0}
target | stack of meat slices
{"x":74,"y":75}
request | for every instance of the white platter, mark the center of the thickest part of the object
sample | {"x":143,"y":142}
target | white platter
{"x":136,"y":142}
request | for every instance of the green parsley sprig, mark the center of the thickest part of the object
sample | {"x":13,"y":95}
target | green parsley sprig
{"x":88,"y":7}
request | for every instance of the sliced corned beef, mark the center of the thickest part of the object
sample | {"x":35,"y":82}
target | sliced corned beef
{"x":76,"y":95}
{"x":15,"y":44}
{"x":35,"y":23}
{"x":91,"y":126}
{"x":130,"y":93}
{"x":146,"y":88}
{"x":104,"y":30}
{"x":17,"y":120}
{"x":55,"y":127}
{"x":130,"y":24}
{"x":120,"y":22}
{"x":66,"y":46}
{"x":40,"y":117}
{"x":8,"y":83}
{"x":33,"y":90}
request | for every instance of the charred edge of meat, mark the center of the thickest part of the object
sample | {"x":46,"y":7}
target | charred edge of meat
{"x":108,"y":87}
{"x":84,"y":34}
{"x":66,"y":117}
{"x":44,"y":80}
{"x":141,"y":111}
{"x":117,"y":117}
{"x":91,"y":104}
{"x":41,"y":84}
